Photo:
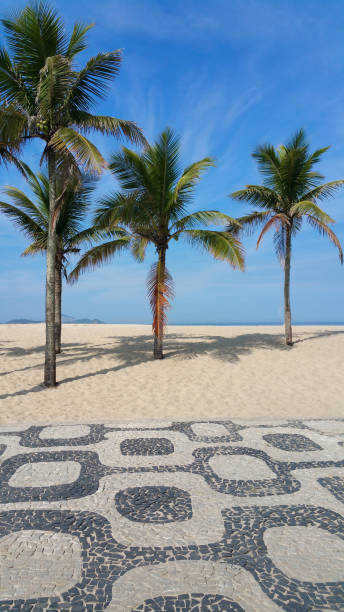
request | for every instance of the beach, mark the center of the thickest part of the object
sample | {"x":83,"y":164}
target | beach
{"x":107,"y":373}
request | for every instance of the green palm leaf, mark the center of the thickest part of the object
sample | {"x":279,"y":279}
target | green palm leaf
{"x":247,"y":224}
{"x":221,"y":245}
{"x":111,"y":126}
{"x":93,"y":81}
{"x":258,"y":195}
{"x":84,"y":152}
{"x":185,"y":186}
{"x":55,"y":80}
{"x":77,"y":42}
{"x":99,"y":255}
{"x":322,"y":192}
{"x":12,"y":86}
{"x":33,"y":35}
{"x":22,"y":220}
{"x":301,"y":208}
{"x":204,"y":217}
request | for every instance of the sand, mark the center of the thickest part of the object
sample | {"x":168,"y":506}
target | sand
{"x":106,"y":373}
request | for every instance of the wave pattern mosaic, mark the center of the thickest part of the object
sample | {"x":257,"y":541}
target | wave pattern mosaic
{"x":173,"y":516}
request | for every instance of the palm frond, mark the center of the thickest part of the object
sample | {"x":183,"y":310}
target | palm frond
{"x":22,"y":202}
{"x":89,"y":236}
{"x":7,"y":158}
{"x":246,"y":225}
{"x":33,"y":35}
{"x":83,"y":150}
{"x":138,"y":247}
{"x":306,"y":206}
{"x":77,"y":42}
{"x":322,"y":192}
{"x":222,"y":245}
{"x":54,"y":82}
{"x":39,"y":185}
{"x":326,"y":231}
{"x":12,"y":86}
{"x":131,"y":170}
{"x":121,"y":208}
{"x":297,"y":141}
{"x":160,"y":293}
{"x":162,"y":160}
{"x":111,"y":126}
{"x":39,"y":246}
{"x":279,"y":240}
{"x":23,"y":220}
{"x":92,"y":82}
{"x":98,"y":255}
{"x":277,"y":221}
{"x":204,"y":217}
{"x":258,"y":195}
{"x":191,"y":175}
{"x":269,"y":164}
{"x":14,"y":127}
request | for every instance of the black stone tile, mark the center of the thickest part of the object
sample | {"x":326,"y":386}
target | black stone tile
{"x":291,"y":442}
{"x":146,"y":446}
{"x":335,"y":484}
{"x":154,"y":504}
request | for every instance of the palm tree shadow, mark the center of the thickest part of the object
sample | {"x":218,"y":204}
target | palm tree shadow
{"x":319,"y":334}
{"x":130,"y":351}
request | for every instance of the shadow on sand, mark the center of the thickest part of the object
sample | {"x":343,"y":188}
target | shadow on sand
{"x":131,"y":351}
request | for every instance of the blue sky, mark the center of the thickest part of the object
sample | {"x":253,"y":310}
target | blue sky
{"x":227,"y":76}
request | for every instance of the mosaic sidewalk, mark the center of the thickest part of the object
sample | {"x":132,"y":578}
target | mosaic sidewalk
{"x":183,"y":516}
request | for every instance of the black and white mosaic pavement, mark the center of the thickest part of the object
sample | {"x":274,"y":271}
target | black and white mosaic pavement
{"x":216,"y":515}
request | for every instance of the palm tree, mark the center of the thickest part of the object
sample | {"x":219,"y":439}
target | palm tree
{"x":151,"y":208}
{"x":45,"y":95}
{"x":32,"y":217}
{"x":290,"y":191}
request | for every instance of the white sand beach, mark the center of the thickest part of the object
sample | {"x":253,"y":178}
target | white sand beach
{"x":106,"y":372}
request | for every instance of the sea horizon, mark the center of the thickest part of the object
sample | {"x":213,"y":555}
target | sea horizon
{"x":232,"y":324}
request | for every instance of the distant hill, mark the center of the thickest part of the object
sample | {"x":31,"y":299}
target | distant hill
{"x":65,"y":319}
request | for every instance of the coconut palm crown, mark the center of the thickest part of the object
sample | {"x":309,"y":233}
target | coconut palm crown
{"x":44,"y":94}
{"x":32,"y":217}
{"x":152,"y":208}
{"x":289,"y":194}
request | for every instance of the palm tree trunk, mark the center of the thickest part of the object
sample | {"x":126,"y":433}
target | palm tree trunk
{"x":58,"y":300}
{"x":287,"y":309}
{"x":159,"y":326}
{"x":50,"y":356}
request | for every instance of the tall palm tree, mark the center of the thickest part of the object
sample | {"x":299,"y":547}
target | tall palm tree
{"x":289,"y":194}
{"x":32,"y":217}
{"x":46,"y":95}
{"x":151,"y":208}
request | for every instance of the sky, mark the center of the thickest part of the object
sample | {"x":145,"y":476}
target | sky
{"x":226,"y":76}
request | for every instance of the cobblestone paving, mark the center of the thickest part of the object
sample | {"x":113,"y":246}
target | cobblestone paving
{"x":173,"y":517}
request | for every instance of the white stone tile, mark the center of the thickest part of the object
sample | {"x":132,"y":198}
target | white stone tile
{"x":38,"y":564}
{"x":306,"y":553}
{"x":327,"y":427}
{"x":57,"y":432}
{"x":45,"y":474}
{"x":240,"y":467}
{"x":178,"y":577}
{"x":209,"y":429}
